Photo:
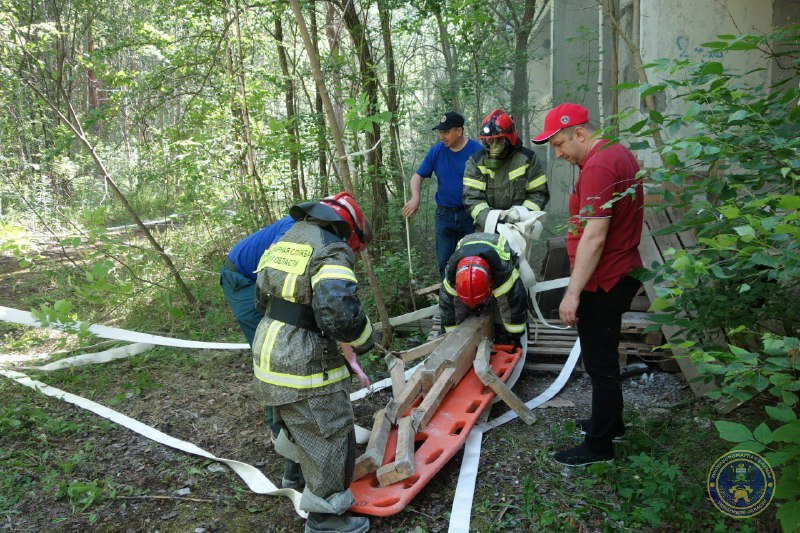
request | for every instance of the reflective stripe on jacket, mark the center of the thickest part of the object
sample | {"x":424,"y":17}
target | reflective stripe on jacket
{"x":520,"y":180}
{"x":309,"y":266}
{"x":508,"y":290}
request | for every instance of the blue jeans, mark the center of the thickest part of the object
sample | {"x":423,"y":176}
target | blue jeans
{"x":451,"y":227}
{"x":240,"y":292}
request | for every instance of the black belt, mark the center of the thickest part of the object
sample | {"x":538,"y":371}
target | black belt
{"x":454,"y":209}
{"x":229,"y":265}
{"x":299,"y":315}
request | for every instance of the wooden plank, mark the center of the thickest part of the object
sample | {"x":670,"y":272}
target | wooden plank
{"x":397,"y":369}
{"x":410,"y":392}
{"x":422,"y":350}
{"x":429,"y":289}
{"x":459,"y":350}
{"x":487,"y":376}
{"x":545,"y":367}
{"x":403,"y":465}
{"x":420,"y":416}
{"x":372,"y":457}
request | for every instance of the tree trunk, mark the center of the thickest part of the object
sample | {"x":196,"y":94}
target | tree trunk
{"x":519,"y":92}
{"x":451,"y":100}
{"x":341,"y":159}
{"x":291,"y":119}
{"x":319,"y":117}
{"x":369,"y":84}
{"x":396,"y":167}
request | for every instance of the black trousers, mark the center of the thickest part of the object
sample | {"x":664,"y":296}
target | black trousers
{"x":599,"y":324}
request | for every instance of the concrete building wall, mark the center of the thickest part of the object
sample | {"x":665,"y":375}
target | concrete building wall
{"x":660,"y":29}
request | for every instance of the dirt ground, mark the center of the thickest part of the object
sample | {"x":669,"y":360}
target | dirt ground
{"x":206,"y":398}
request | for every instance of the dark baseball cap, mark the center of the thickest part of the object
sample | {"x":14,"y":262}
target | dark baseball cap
{"x":451,"y":119}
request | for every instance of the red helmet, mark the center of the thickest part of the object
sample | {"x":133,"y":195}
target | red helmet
{"x":473,"y":281}
{"x":348,"y":210}
{"x":343,"y":213}
{"x":498,"y":124}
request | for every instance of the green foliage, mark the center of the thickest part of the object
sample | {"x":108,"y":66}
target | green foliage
{"x":735,"y":295}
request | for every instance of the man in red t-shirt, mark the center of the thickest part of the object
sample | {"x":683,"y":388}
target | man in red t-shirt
{"x":605,"y":227}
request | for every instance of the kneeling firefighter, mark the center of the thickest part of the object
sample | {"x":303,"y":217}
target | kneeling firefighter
{"x":309,"y":291}
{"x":483,"y":272}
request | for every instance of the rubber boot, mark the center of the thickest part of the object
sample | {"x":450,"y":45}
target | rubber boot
{"x":336,"y":523}
{"x":292,"y":476}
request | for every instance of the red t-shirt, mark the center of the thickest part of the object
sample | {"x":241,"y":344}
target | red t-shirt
{"x":604,"y":175}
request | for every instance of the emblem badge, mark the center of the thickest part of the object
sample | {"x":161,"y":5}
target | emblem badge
{"x":741,"y":484}
{"x":444,"y":118}
{"x":564,"y":119}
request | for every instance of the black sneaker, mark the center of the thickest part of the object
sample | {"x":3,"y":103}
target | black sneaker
{"x":583,"y":425}
{"x":581,"y":455}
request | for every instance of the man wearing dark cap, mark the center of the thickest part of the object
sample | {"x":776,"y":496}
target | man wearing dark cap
{"x":447,"y":159}
{"x":603,"y":235}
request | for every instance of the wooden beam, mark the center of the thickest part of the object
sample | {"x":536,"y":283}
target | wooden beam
{"x":422,"y":350}
{"x":459,"y":350}
{"x":397,"y":369}
{"x":398,"y":406}
{"x":403,"y":465}
{"x":487,"y":376}
{"x":420,"y":416}
{"x":372,"y":457}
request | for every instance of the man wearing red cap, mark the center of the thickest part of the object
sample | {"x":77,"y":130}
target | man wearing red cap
{"x":309,"y":294}
{"x":605,"y":227}
{"x":483,"y":272}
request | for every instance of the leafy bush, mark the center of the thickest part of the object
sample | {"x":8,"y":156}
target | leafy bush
{"x":732,"y":168}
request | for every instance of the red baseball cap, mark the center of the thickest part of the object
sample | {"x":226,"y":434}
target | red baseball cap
{"x":560,"y":117}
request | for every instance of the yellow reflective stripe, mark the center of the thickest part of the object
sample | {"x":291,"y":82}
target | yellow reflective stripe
{"x":448,"y":329}
{"x":449,"y":288}
{"x":365,"y":335}
{"x":541,"y":180}
{"x":531,"y":206}
{"x":505,"y":287}
{"x":487,"y":171}
{"x":289,"y":284}
{"x":302,"y":382}
{"x":475,"y":184}
{"x":514,"y":328}
{"x":269,"y":343}
{"x":477,"y":210}
{"x":333,"y":272}
{"x":517,"y":172}
{"x":505,"y":256}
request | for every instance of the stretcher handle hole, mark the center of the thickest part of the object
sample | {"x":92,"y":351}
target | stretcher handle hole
{"x":509,"y":360}
{"x":502,"y":374}
{"x":435,"y":455}
{"x":456,"y":429}
{"x":486,"y":390}
{"x":374,"y":483}
{"x":408,"y":483}
{"x":474,"y":406}
{"x":388,"y":502}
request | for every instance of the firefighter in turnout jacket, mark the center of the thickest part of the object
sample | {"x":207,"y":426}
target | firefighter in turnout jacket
{"x":483,"y":272}
{"x":503,"y":174}
{"x":308,"y":290}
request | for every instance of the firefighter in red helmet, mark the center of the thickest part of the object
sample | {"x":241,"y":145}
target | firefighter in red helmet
{"x":309,"y":293}
{"x":503,"y":174}
{"x":482,"y":274}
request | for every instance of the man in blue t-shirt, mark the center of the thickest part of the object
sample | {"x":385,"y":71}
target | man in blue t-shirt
{"x":447,"y":159}
{"x":238,"y":278}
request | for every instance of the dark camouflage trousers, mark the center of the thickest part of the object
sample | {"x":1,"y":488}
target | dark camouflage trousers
{"x":321,"y":427}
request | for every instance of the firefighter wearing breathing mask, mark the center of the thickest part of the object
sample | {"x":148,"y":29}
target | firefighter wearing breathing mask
{"x":503,"y":174}
{"x":309,"y":293}
{"x":482,"y":274}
